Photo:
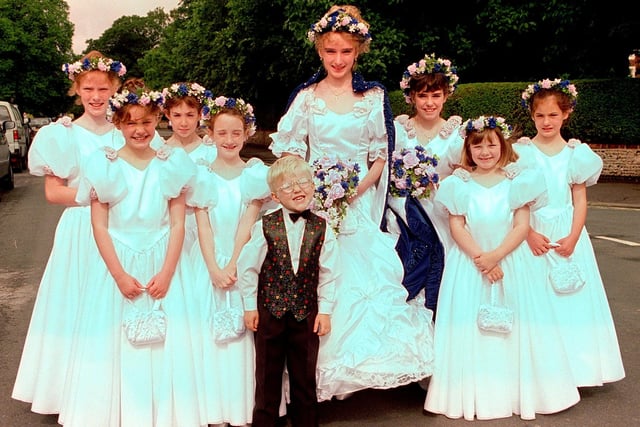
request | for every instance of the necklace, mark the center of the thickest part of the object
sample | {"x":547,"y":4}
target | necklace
{"x":336,"y":94}
{"x":425,"y":136}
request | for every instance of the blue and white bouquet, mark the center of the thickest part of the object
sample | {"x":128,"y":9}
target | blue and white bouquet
{"x":413,"y":173}
{"x":336,"y":181}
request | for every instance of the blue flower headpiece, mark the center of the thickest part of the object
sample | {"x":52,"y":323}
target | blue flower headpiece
{"x":339,"y":20}
{"x":429,"y":64}
{"x":222,"y":102}
{"x":483,"y":123}
{"x":90,"y":64}
{"x":139,"y":97}
{"x":180,"y":90}
{"x":563,"y":86}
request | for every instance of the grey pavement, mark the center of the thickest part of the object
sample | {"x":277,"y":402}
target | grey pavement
{"x":612,"y":193}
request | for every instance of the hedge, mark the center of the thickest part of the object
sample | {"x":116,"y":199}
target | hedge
{"x":606,"y":112}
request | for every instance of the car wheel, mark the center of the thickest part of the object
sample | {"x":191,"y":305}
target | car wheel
{"x":8,"y":182}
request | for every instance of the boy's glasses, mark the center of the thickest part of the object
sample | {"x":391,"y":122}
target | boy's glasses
{"x":303,"y":183}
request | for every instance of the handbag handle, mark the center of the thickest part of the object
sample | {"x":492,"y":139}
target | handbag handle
{"x":227,"y":294}
{"x":494,"y":291}
{"x":156,"y":302}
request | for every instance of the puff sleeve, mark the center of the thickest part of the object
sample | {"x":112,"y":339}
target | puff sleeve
{"x":585,"y":165}
{"x":178,"y":172}
{"x":292,"y":132}
{"x":52,"y":151}
{"x":253,"y":182}
{"x":202,"y":195}
{"x":528,"y":186}
{"x":373,"y":103}
{"x":103,"y":179}
{"x":452,"y":196}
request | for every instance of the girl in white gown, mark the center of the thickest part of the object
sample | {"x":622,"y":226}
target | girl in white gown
{"x":489,"y":374}
{"x":227,"y":200}
{"x":137,"y":211}
{"x":423,"y":230}
{"x":378,"y":340}
{"x":584,"y":318}
{"x":185,"y":106}
{"x":57,"y":153}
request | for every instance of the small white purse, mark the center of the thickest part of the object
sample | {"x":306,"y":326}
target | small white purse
{"x":565,"y":276}
{"x":227,"y":322}
{"x":493,"y":316}
{"x":145,"y":327}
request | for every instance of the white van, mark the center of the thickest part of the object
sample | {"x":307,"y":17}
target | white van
{"x":17,"y":136}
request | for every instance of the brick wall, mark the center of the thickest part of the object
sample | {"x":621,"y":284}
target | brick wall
{"x":621,"y":162}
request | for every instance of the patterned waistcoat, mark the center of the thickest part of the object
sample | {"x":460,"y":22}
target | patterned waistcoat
{"x":280,"y":289}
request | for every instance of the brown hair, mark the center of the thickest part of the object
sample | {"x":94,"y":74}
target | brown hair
{"x":474,"y":137}
{"x":134,"y":85}
{"x":429,"y":82}
{"x":230,"y":111}
{"x":189,"y":100}
{"x":565,"y":102}
{"x":113,"y":76}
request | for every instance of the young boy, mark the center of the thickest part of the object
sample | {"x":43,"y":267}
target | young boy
{"x":286,"y":274}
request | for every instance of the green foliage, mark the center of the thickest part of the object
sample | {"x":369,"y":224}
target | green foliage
{"x":130,"y":37}
{"x":35,"y":40}
{"x":602,"y":114}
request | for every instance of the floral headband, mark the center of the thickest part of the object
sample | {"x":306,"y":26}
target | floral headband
{"x":483,"y":123}
{"x":180,"y":90}
{"x":99,"y":64}
{"x":222,"y":102}
{"x":339,"y":20}
{"x":563,"y":86}
{"x":139,"y":97}
{"x":429,"y":64}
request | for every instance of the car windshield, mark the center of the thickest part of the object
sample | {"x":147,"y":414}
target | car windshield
{"x":39,"y":121}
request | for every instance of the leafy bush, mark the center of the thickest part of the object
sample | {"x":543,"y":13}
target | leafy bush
{"x":605,"y":113}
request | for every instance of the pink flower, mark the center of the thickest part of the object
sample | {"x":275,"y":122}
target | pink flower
{"x":336,"y":192}
{"x":164,"y":152}
{"x":110,"y":153}
{"x":220,"y":101}
{"x":65,"y":121}
{"x":412,"y":69}
{"x":410,"y":160}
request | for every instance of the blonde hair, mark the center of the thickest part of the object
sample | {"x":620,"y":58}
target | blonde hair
{"x":286,"y":166}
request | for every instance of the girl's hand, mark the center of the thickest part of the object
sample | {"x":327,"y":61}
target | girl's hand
{"x":223,"y":278}
{"x":538,"y":243}
{"x":158,"y":286}
{"x":251,"y":320}
{"x":495,"y":274}
{"x":129,"y":287}
{"x":486,"y":261}
{"x":566,"y":246}
{"x":354,"y":197}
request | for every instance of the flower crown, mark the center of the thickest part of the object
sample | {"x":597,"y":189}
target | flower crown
{"x":139,"y":97}
{"x":429,"y":64}
{"x":180,"y":90}
{"x":222,"y":102}
{"x":484,"y":123}
{"x":89,"y":64}
{"x":563,"y":86}
{"x":339,"y":20}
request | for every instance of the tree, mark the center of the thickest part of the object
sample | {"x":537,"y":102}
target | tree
{"x":36,"y":41}
{"x":130,"y":37}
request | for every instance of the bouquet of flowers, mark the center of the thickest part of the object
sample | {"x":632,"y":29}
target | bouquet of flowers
{"x":335,"y":182}
{"x":412,"y":172}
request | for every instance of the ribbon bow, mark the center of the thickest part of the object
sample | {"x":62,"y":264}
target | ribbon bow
{"x":306,"y":214}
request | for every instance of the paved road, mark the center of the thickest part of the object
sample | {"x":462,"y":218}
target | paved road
{"x":27,"y":226}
